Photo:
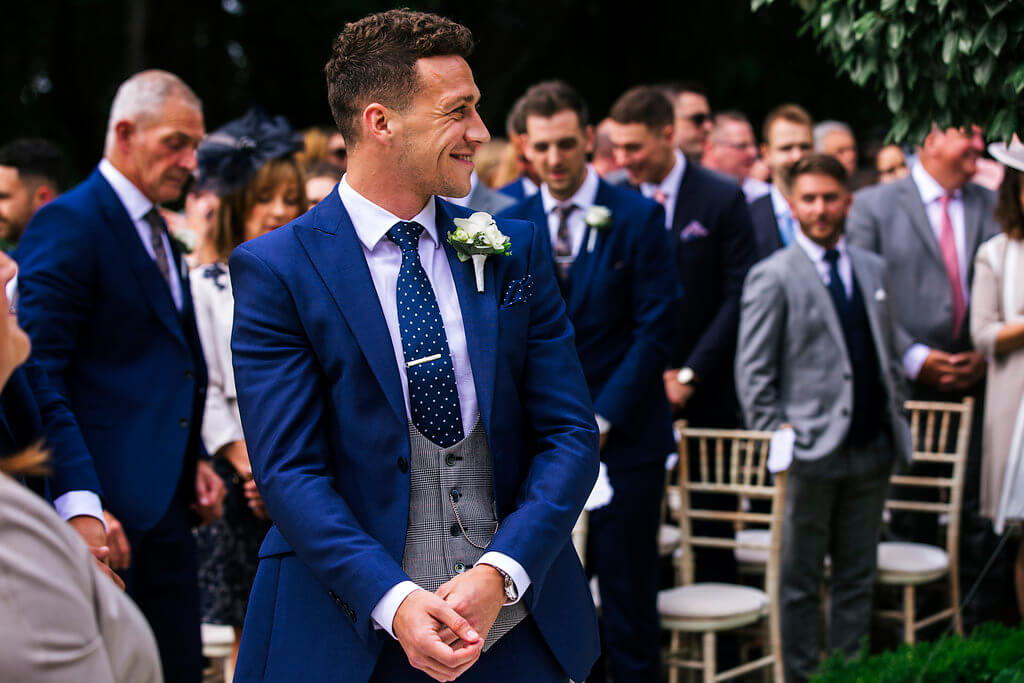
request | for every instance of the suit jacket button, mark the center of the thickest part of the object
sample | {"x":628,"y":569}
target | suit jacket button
{"x":846,"y":412}
{"x":183,"y":423}
{"x":449,"y":459}
{"x":459,"y":567}
{"x":403,"y":465}
{"x":455,"y":495}
{"x":847,"y":376}
{"x":454,"y":530}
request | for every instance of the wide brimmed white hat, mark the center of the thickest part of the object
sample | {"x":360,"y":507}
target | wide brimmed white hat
{"x":1012,"y":155}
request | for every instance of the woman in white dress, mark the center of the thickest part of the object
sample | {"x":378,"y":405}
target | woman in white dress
{"x":250,"y":164}
{"x":997,"y":328}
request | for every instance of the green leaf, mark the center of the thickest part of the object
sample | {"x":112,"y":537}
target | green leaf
{"x":896,"y":33}
{"x":912,"y":6}
{"x":825,"y":20}
{"x":1016,"y":79}
{"x":758,"y":4}
{"x":948,"y":46}
{"x":994,"y":8}
{"x":890,"y":75}
{"x":866,"y":24}
{"x":941,"y":5}
{"x":888,"y":5}
{"x":900,"y":128}
{"x":995,"y":36}
{"x":895,"y":100}
{"x":941,"y":90}
{"x":966,"y":42}
{"x":983,"y":72}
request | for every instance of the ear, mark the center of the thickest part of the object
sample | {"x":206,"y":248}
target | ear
{"x":588,"y":139}
{"x":667,"y":133}
{"x":378,"y":123}
{"x":123,"y":131}
{"x":43,"y":194}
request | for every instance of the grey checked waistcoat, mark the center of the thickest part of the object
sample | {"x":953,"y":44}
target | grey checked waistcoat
{"x":442,"y":481}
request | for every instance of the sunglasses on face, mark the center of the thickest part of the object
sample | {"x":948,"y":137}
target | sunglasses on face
{"x":699,"y":119}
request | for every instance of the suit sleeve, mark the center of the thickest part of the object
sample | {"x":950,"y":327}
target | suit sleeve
{"x":761,"y":327}
{"x":737,"y":252}
{"x":655,"y":290}
{"x":560,"y":415}
{"x":281,"y":395}
{"x":55,"y":282}
{"x":73,"y":468}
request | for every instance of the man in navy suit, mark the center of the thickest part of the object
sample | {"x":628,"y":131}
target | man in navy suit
{"x":610,"y":255}
{"x":713,"y":245}
{"x":787,"y":138}
{"x":104,"y":296}
{"x":528,"y":182}
{"x":349,"y":426}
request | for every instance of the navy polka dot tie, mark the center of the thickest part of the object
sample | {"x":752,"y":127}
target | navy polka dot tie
{"x":433,"y":394}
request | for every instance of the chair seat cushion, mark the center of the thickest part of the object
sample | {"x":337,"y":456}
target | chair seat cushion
{"x":218,"y":640}
{"x":711,"y":606}
{"x":668,"y":539}
{"x":761,"y":538}
{"x":910,"y":562}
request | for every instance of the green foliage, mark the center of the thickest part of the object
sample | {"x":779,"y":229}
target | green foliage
{"x":952,"y":62}
{"x":993,"y":653}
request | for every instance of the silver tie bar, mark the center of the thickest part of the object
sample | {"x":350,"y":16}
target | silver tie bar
{"x":421,"y":361}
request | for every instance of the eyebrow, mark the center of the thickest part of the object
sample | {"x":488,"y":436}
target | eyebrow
{"x":464,"y":99}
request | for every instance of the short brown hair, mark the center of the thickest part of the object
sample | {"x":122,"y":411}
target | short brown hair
{"x":646,"y":104}
{"x":817,"y":164}
{"x":1008,"y":209}
{"x":550,"y":97}
{"x":793,"y":113}
{"x":374,"y":60}
{"x":229,"y":229}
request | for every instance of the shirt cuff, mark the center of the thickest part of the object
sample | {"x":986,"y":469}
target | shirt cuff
{"x":506,"y":564}
{"x":603,"y":425}
{"x":913,"y":360}
{"x":383,"y":613}
{"x":77,"y":503}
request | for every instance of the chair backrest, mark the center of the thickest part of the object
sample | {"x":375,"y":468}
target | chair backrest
{"x":941,"y":434}
{"x":721,"y":463}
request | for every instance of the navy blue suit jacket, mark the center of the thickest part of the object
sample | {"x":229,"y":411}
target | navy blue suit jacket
{"x":105,"y":329}
{"x":713,"y":247}
{"x":766,"y":227}
{"x":327,"y":431}
{"x":515,"y":190}
{"x":622,"y":301}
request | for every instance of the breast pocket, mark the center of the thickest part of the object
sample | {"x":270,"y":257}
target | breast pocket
{"x":513,"y":325}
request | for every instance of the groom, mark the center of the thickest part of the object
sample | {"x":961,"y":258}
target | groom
{"x":423,"y":448}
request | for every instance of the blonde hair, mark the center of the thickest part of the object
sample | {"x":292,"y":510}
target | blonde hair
{"x":488,"y":160}
{"x":33,"y":461}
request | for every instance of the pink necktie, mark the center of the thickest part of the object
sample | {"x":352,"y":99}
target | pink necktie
{"x":947,"y":246}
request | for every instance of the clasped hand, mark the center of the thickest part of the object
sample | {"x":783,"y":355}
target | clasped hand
{"x":443,"y":633}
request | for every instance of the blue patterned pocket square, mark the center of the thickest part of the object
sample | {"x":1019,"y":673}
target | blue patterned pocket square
{"x":518,"y":291}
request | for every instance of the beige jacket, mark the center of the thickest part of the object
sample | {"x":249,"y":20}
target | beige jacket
{"x":60,"y":619}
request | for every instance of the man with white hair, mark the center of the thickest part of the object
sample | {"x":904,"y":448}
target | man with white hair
{"x":105,"y":298}
{"x":835,"y":139}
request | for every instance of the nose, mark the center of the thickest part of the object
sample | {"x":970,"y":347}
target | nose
{"x":477,"y":131}
{"x":278,"y":207}
{"x":190,"y":158}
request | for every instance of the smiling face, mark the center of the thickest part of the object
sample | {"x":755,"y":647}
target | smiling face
{"x":645,"y":154}
{"x":731,"y":149}
{"x":819,"y":203}
{"x":557,"y":146}
{"x":272,"y":207}
{"x":692,"y":123}
{"x":440,"y":131}
{"x":788,"y":142}
{"x":951,"y":156}
{"x":158,"y":152}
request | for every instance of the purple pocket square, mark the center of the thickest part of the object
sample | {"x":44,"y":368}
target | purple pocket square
{"x":693,"y":231}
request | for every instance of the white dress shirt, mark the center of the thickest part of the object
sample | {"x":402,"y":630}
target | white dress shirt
{"x":931,"y":194}
{"x":75,"y":503}
{"x":816,"y":253}
{"x":669,"y":185}
{"x":137,"y":206}
{"x":530,"y":188}
{"x":755,"y":189}
{"x":384,"y":259}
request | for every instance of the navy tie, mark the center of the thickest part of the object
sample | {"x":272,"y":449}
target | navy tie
{"x":433,"y":394}
{"x":835,"y":283}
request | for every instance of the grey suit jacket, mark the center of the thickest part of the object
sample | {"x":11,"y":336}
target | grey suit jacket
{"x":61,"y":619}
{"x":792,"y":365}
{"x":483,"y":198}
{"x":890,"y":220}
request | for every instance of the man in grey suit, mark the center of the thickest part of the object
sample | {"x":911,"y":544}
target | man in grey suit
{"x":927,"y":228}
{"x":818,"y":352}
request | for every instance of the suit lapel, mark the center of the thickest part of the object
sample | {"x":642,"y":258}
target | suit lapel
{"x":868,"y":288}
{"x":582,"y":272}
{"x":822,"y":299}
{"x":972,"y":227}
{"x":479,"y":316}
{"x":135,"y":257}
{"x":914,"y":205}
{"x":336,"y":253}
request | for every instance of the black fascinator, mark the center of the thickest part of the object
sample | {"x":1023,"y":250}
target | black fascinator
{"x":231,"y":155}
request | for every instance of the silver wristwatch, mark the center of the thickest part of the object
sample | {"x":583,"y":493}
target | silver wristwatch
{"x":511,"y":593}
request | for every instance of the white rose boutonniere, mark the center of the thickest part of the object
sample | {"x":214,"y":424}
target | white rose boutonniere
{"x":599,"y":219}
{"x":478,"y":237}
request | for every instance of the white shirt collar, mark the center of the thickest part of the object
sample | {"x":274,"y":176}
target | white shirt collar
{"x":928,"y":187}
{"x":372,"y":222}
{"x":135,"y":203}
{"x":780,"y":205}
{"x":670,"y":183}
{"x":529,"y":187}
{"x":584,"y":197}
{"x":815,"y":251}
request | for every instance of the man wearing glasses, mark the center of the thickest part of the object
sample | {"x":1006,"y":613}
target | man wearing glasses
{"x":731,"y":150}
{"x":692,"y":118}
